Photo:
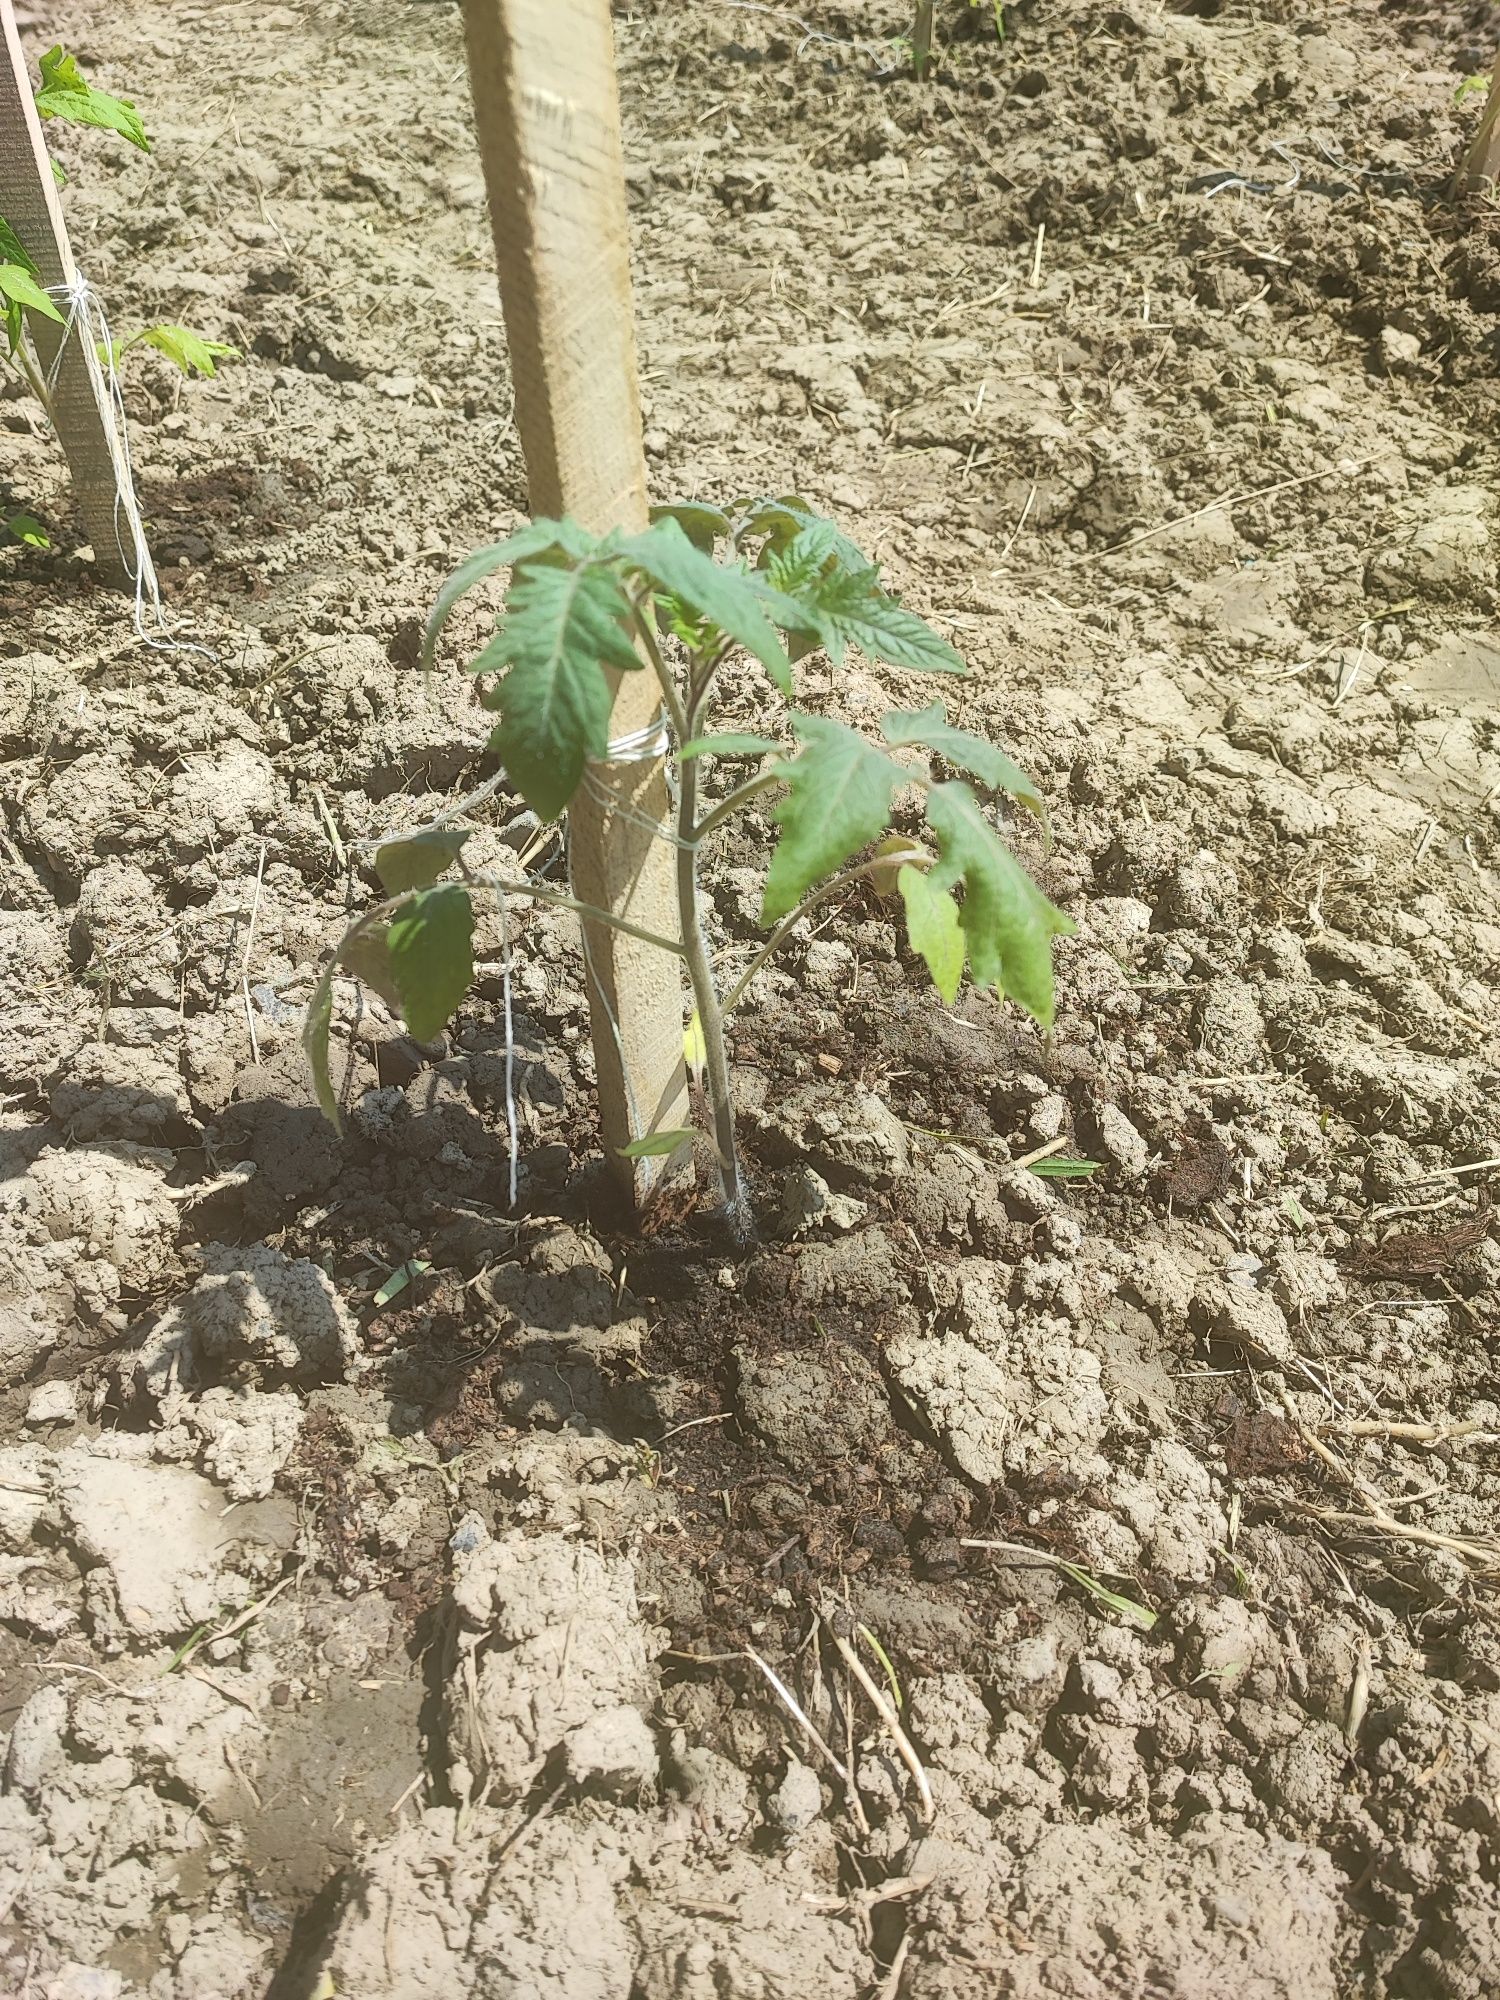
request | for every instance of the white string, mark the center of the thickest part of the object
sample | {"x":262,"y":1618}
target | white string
{"x":88,"y":324}
{"x":642,"y":745}
{"x":512,"y":1132}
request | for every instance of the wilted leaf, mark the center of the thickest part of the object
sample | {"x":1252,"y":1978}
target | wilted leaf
{"x":413,"y":860}
{"x":431,"y":957}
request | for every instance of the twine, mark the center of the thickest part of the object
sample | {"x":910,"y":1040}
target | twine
{"x":88,"y":323}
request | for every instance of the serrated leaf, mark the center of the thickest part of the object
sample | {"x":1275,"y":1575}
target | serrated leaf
{"x":399,"y":1279}
{"x":703,"y":526}
{"x":561,"y":628}
{"x":656,"y":1145}
{"x":1058,"y":1168}
{"x":315,"y":1032}
{"x":65,"y":94}
{"x":797,"y":567}
{"x":535,"y":539}
{"x":782,"y":520}
{"x":186,"y":350}
{"x":431,"y":957}
{"x":933,"y":926}
{"x":839,"y":791}
{"x":853,"y":608}
{"x":930,"y":729}
{"x":367,"y":957}
{"x":19,"y":286}
{"x":722,"y":593}
{"x":1008,"y":923}
{"x":734,"y":743}
{"x":413,"y":860}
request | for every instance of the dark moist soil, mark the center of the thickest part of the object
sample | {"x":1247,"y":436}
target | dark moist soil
{"x":416,"y":1646}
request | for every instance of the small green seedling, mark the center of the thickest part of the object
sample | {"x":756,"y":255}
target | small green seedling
{"x":66,"y":94}
{"x":768,"y":579}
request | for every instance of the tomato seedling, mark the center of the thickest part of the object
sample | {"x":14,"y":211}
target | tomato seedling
{"x":772,"y":580}
{"x":65,"y":94}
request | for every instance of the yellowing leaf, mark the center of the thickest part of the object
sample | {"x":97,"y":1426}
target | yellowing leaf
{"x":932,"y":924}
{"x":694,"y":1049}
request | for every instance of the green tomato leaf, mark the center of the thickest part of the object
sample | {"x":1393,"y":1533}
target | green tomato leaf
{"x":857,"y":612}
{"x":431,"y":957}
{"x":733,"y":743}
{"x":20,"y":288}
{"x":933,"y":926}
{"x":780,"y":521}
{"x":414,"y":860}
{"x":656,"y":1145}
{"x":24,"y":527}
{"x":719,"y":592}
{"x":1008,"y":923}
{"x":13,"y":250}
{"x":797,"y":568}
{"x":533,"y":541}
{"x":64,"y":94}
{"x":703,"y":526}
{"x":315,"y":1031}
{"x":562,"y":628}
{"x":186,"y":350}
{"x":839,"y":791}
{"x":930,"y":729}
{"x":367,"y":957}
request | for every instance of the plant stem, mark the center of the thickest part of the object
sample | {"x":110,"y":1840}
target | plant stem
{"x":921,"y":39}
{"x":706,"y":1000}
{"x":808,"y":904}
{"x":752,"y":788}
{"x":23,"y":364}
{"x":562,"y":901}
{"x":671,"y":699}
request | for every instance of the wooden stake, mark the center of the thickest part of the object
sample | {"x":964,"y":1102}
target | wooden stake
{"x":29,"y":203}
{"x":547,"y":109}
{"x":1482,"y":162}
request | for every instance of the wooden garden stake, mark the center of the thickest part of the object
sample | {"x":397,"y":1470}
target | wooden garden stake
{"x":547,"y":109}
{"x":79,"y":409}
{"x":1482,"y":162}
